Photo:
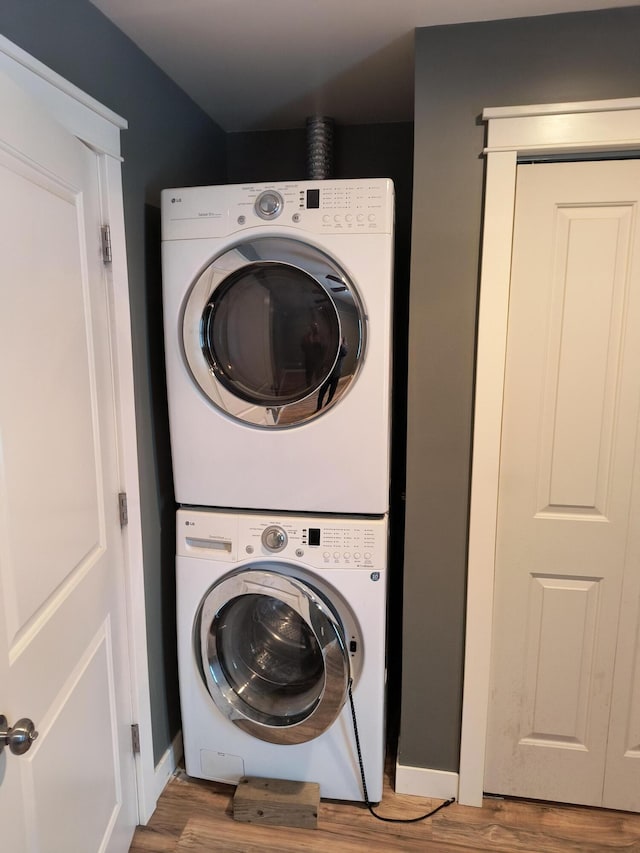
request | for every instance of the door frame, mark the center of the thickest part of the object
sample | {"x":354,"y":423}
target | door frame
{"x":577,"y":129}
{"x":100,"y":128}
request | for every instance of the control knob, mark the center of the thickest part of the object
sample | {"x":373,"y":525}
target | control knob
{"x":274,"y":538}
{"x":269,"y":204}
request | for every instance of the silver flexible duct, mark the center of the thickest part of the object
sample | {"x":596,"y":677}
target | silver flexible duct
{"x":319,"y":147}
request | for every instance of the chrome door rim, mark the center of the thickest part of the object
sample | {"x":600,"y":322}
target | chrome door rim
{"x":316,"y":613}
{"x":311,"y":263}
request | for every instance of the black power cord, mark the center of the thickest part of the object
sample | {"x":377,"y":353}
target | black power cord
{"x":364,"y":782}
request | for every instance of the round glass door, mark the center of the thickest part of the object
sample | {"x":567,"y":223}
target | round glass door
{"x":273,"y":656}
{"x":273,"y":332}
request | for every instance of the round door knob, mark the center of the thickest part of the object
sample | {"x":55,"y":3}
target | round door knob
{"x":274,"y":538}
{"x":19,"y":737}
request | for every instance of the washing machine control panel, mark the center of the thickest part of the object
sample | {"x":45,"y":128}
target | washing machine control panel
{"x":323,"y":542}
{"x":319,"y":207}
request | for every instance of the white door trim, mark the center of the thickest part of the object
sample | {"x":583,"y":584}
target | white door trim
{"x":577,"y":128}
{"x":100,"y":128}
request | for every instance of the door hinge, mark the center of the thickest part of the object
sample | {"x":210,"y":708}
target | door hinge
{"x":105,"y":236}
{"x":135,"y":739}
{"x":122,"y":509}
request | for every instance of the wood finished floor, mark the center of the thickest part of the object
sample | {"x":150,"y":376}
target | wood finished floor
{"x":196,"y":817}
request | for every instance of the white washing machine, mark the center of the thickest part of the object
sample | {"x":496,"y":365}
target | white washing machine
{"x":277,"y":313}
{"x":276,"y":615}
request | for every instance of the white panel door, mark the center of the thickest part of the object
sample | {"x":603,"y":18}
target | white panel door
{"x":563,"y":651}
{"x":63,"y":637}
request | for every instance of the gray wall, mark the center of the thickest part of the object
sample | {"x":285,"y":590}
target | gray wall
{"x":170,"y":142}
{"x":459,"y":71}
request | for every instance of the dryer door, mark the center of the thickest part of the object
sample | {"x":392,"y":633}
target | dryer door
{"x":273,"y":655}
{"x":273,"y":332}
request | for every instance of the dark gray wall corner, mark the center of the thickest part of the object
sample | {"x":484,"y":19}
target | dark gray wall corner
{"x":460,"y":70}
{"x":169,"y":142}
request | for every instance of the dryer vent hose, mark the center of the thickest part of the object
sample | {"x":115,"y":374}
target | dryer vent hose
{"x":319,"y":147}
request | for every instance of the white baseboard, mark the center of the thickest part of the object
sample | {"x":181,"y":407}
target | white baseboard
{"x":422,"y":782}
{"x":167,"y":764}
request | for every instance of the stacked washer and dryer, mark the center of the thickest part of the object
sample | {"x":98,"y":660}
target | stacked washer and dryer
{"x":277,"y":311}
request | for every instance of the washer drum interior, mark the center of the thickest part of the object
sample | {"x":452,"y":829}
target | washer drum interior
{"x":274,"y":655}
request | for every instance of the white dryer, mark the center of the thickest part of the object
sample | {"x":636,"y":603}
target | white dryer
{"x":276,"y":615}
{"x":277,"y":313}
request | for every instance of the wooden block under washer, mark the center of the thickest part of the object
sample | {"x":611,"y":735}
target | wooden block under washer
{"x":277,"y":802}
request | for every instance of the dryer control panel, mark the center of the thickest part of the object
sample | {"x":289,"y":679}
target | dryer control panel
{"x":318,"y":207}
{"x":321,"y":542}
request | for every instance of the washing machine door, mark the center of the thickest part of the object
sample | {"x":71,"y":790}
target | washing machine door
{"x":273,"y":332}
{"x":273,"y":655}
